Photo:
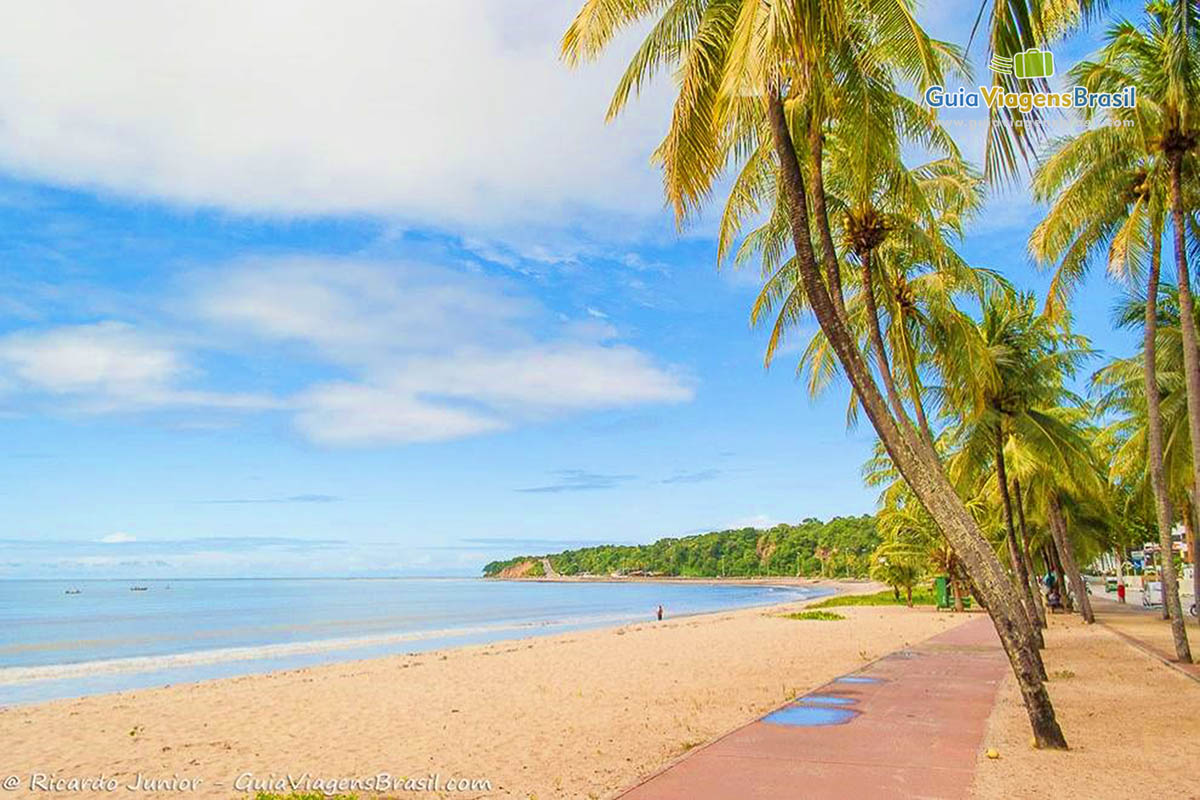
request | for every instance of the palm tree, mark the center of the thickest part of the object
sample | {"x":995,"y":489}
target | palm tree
{"x":900,"y":563}
{"x":1086,"y":217}
{"x":751,"y":72}
{"x":902,"y":519}
{"x":1130,"y":432}
{"x":896,"y":225}
{"x":1067,"y":489}
{"x":1161,"y":62}
{"x":1019,"y":500}
{"x":1003,"y":396}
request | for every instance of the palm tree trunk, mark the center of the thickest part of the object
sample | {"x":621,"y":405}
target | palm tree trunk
{"x":1035,"y":582}
{"x":1058,"y":529}
{"x":1020,"y":576}
{"x":1119,"y":556}
{"x":1029,"y":574}
{"x":876,"y":335}
{"x":816,"y":152}
{"x":914,"y":385}
{"x":1191,"y":371}
{"x":1154,"y":432}
{"x":1047,"y":559}
{"x":1060,"y":575}
{"x":921,"y":470}
{"x":1189,"y":523}
{"x":1037,"y":578}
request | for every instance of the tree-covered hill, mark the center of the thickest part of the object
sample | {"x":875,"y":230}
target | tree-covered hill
{"x":840,"y":547}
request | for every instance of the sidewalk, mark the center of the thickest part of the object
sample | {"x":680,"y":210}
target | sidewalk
{"x":1145,"y":629}
{"x":907,"y":726}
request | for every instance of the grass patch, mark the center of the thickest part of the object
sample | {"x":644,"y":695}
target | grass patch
{"x":922,"y":596}
{"x":825,"y":615}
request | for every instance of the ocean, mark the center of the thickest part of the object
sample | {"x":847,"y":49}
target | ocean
{"x":114,"y":635}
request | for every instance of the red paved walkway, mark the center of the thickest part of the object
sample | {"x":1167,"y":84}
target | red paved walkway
{"x":907,"y":726}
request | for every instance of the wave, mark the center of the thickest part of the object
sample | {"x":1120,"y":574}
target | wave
{"x":83,"y":669}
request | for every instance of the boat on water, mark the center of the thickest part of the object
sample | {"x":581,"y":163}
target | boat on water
{"x":138,"y":588}
{"x":73,"y":591}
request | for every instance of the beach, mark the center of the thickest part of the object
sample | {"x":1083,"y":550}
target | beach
{"x":1130,"y":719}
{"x":581,"y":714}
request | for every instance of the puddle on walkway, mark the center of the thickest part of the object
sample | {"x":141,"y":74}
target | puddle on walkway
{"x":826,"y":699}
{"x":800,"y":716}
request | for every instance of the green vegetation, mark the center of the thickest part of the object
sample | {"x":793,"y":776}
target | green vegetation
{"x":922,"y":596}
{"x":820,"y":615}
{"x":840,"y":548}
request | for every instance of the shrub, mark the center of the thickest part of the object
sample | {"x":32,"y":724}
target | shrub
{"x":822,"y":615}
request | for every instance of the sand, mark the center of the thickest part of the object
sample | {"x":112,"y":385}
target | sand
{"x":1132,"y":723}
{"x":1147,"y":627}
{"x":571,"y":716}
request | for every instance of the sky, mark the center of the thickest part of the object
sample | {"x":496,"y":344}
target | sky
{"x":370,"y":288}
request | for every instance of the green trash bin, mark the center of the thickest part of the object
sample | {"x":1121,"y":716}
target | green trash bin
{"x":941,"y":588}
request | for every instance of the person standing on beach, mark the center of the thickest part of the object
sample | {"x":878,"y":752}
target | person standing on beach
{"x":660,"y":613}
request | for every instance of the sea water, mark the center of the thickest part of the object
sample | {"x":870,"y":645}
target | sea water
{"x":115,"y":635}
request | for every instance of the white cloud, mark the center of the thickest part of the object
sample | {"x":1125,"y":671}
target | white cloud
{"x":106,"y":366}
{"x":110,"y":356}
{"x":358,"y":312}
{"x":552,"y":376}
{"x":465,"y":393}
{"x":356,"y":414}
{"x":400,"y":352}
{"x":433,"y":354}
{"x":118,"y":538}
{"x":454,"y":111}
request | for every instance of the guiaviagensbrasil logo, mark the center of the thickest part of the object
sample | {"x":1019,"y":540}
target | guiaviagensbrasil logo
{"x":1032,"y":63}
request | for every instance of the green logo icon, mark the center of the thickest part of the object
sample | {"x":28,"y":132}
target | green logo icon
{"x":1032,"y":63}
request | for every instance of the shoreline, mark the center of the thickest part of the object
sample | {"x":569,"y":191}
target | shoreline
{"x":576,"y":714}
{"x":757,"y":580}
{"x":99,"y":670}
